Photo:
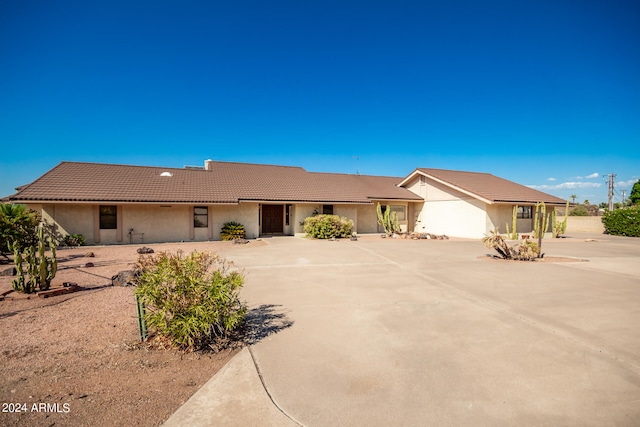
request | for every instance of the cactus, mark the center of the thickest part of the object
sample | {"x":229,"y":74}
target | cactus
{"x":18,"y":283}
{"x":40,"y":269}
{"x":540,"y":225}
{"x":540,"y":221}
{"x":388,"y":220}
{"x":513,"y":235}
{"x":559,"y":228}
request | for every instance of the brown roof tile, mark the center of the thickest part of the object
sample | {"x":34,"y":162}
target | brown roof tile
{"x":226,"y":182}
{"x":491,"y":187}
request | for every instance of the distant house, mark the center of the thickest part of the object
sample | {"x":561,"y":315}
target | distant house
{"x":119,"y":204}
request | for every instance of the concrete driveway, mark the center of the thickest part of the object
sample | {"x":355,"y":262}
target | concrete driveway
{"x":401,"y":332}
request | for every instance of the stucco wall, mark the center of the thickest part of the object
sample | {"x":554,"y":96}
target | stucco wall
{"x":244,"y":213}
{"x":367,"y":219}
{"x":157,"y":223}
{"x":455,"y":218}
{"x":70,"y":219}
{"x":363,"y":216}
{"x":447,"y":211}
{"x":501,"y":215}
{"x":301,"y":212}
{"x":349,"y":212}
{"x":436,"y":192}
{"x":584,"y":224}
{"x":415,"y":186}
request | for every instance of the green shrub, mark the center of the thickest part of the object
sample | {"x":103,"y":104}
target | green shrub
{"x":73,"y":240}
{"x":191,"y":300}
{"x":579,"y":210}
{"x":18,"y":226}
{"x":327,"y":226}
{"x":232,"y":230}
{"x":623,"y":222}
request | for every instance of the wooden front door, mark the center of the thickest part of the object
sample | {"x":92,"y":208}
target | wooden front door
{"x":272,"y":219}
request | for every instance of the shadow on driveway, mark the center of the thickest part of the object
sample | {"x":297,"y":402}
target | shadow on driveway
{"x":263,"y":321}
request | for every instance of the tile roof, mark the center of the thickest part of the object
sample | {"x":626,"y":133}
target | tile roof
{"x":490,"y":187}
{"x":226,"y":182}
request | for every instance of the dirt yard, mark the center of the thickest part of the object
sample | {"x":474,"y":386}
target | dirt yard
{"x":76,"y":360}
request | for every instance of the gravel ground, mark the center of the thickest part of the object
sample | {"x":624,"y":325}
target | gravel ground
{"x":76,"y":359}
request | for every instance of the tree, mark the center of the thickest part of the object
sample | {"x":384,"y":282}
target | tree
{"x":634,"y":197}
{"x":586,"y":202}
{"x":573,"y":198}
{"x":19,"y":225}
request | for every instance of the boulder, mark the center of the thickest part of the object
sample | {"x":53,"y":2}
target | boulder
{"x":124,"y":278}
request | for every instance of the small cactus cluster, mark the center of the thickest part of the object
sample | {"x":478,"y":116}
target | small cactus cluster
{"x":40,"y":269}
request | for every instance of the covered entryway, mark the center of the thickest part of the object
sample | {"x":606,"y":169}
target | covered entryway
{"x":272,"y":219}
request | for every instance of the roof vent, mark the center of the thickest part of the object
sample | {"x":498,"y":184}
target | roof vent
{"x":169,"y":174}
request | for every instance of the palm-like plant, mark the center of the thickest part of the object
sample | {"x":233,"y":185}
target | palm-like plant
{"x":232,"y":230}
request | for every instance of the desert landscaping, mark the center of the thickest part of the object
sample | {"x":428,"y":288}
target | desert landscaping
{"x":80,"y":353}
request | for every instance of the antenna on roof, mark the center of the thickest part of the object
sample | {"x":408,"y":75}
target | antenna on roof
{"x":357,"y":164}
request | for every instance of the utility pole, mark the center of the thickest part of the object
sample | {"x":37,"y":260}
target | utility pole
{"x":611,"y":182}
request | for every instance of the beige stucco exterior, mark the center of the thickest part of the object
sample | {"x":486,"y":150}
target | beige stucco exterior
{"x":445,"y":209}
{"x":499,"y":216}
{"x":364,"y":217}
{"x":147,"y":223}
{"x":457,"y":214}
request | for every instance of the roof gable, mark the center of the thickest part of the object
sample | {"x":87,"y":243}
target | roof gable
{"x":485,"y":187}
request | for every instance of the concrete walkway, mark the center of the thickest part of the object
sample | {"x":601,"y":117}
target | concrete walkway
{"x":397,"y":332}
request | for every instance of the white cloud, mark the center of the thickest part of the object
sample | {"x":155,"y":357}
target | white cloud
{"x":626,"y":184}
{"x":551,"y":179}
{"x":567,"y":186}
{"x":593,"y":175}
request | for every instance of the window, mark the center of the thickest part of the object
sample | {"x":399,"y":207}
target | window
{"x":200,"y":217}
{"x":108,"y":217}
{"x":327,"y":209}
{"x":287,"y":213}
{"x":524,"y":212}
{"x":401,"y":211}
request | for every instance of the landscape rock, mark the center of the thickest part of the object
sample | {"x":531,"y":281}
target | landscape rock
{"x":124,"y":278}
{"x":89,"y":255}
{"x":240,"y":241}
{"x":11,"y":271}
{"x":89,"y":265}
{"x":145,"y":250}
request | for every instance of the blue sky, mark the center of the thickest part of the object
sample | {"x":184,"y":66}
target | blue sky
{"x":544,"y":93}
